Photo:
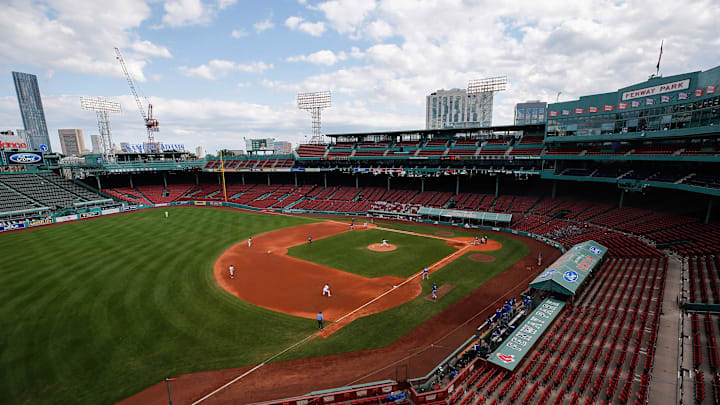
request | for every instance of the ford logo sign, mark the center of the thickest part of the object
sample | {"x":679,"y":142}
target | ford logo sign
{"x":25,"y":158}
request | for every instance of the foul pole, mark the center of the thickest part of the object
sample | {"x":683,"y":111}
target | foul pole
{"x":222,"y":171}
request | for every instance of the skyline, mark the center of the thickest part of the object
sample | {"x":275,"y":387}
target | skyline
{"x":218,"y":71}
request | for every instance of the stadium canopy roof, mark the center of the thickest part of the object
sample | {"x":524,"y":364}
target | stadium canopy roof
{"x":479,"y":216}
{"x":569,"y":271}
{"x":449,"y":132}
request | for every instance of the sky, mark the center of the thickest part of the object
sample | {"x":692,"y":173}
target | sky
{"x":219,"y":71}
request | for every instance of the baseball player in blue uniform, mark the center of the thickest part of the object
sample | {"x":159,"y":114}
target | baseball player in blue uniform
{"x":434,"y":292}
{"x":425,"y":274}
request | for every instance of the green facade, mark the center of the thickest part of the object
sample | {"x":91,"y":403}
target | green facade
{"x":511,"y":352}
{"x":650,"y":106}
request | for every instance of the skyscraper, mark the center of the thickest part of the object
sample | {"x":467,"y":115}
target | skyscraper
{"x":454,"y":108}
{"x":96,"y":144}
{"x":31,"y":109}
{"x":71,"y":141}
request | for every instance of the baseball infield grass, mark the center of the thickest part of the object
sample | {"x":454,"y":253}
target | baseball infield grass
{"x":95,"y":311}
{"x":381,"y":329}
{"x":348,"y":252}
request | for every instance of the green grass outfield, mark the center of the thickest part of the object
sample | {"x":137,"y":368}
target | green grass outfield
{"x":348,"y":252}
{"x":95,"y":311}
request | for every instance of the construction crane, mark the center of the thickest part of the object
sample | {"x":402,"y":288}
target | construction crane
{"x":151,"y":124}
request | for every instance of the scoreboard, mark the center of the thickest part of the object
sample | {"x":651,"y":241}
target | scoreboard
{"x":256,"y":145}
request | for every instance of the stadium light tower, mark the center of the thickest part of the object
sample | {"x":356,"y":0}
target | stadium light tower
{"x":314,"y":102}
{"x":102,"y":108}
{"x":486,"y":87}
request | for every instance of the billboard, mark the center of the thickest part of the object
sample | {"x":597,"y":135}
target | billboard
{"x":265,"y":144}
{"x":12,"y":142}
{"x":23,"y":158}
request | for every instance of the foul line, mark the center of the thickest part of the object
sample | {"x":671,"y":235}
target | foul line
{"x":238,"y":378}
{"x":423,"y":349}
{"x":296,"y":344}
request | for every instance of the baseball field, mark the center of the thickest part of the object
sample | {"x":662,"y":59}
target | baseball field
{"x":98,"y":310}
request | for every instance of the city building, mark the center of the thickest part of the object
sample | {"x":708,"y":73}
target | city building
{"x":71,"y":142}
{"x":200,"y":152}
{"x":454,"y":108}
{"x":31,"y":109}
{"x":530,"y":112}
{"x":282,"y":147}
{"x":96,"y":141}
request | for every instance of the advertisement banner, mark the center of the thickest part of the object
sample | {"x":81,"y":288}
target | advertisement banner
{"x":111,"y":211}
{"x":23,"y":158}
{"x":162,"y":205}
{"x":39,"y":222}
{"x":90,"y":214}
{"x":200,"y":202}
{"x":66,"y":218}
{"x":12,"y":227}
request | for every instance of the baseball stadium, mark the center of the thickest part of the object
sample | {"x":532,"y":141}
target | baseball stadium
{"x":575,"y":261}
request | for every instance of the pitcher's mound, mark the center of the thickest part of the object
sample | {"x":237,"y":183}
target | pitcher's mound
{"x":479,"y":257}
{"x":378,"y":247}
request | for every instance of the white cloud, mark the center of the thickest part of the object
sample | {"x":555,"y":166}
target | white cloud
{"x":149,"y":49}
{"x":379,"y":30}
{"x":346,"y":15}
{"x":238,"y":33}
{"x":217,"y":68}
{"x":324,"y":57}
{"x":64,"y":36}
{"x":297,"y":23}
{"x":180,"y":13}
{"x":264,"y":25}
{"x":544,"y":47}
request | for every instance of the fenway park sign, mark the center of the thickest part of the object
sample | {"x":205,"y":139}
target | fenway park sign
{"x":655,"y":90}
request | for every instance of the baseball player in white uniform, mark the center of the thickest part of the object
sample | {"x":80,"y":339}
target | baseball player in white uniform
{"x":384,"y":243}
{"x":249,"y":242}
{"x":166,"y":214}
{"x":326,"y":290}
{"x":232,"y":271}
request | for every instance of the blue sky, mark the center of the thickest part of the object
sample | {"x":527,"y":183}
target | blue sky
{"x":220,"y":70}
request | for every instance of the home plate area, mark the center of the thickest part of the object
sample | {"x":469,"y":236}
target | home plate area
{"x":441,"y":291}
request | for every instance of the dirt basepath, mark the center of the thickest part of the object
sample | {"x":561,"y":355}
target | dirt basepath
{"x":413,"y":355}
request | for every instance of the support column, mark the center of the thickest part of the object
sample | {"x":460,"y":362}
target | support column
{"x":709,"y":210}
{"x":422,"y":184}
{"x":219,"y":179}
{"x":357,"y":181}
{"x":622,"y":198}
{"x":295,"y":179}
{"x":325,"y":179}
{"x":131,"y":183}
{"x":165,"y":180}
{"x":242,"y":177}
{"x":457,"y":185}
{"x":268,"y":176}
{"x":388,"y":183}
{"x":97,"y":178}
{"x":197,"y":179}
{"x":554,"y":189}
{"x":497,"y":186}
